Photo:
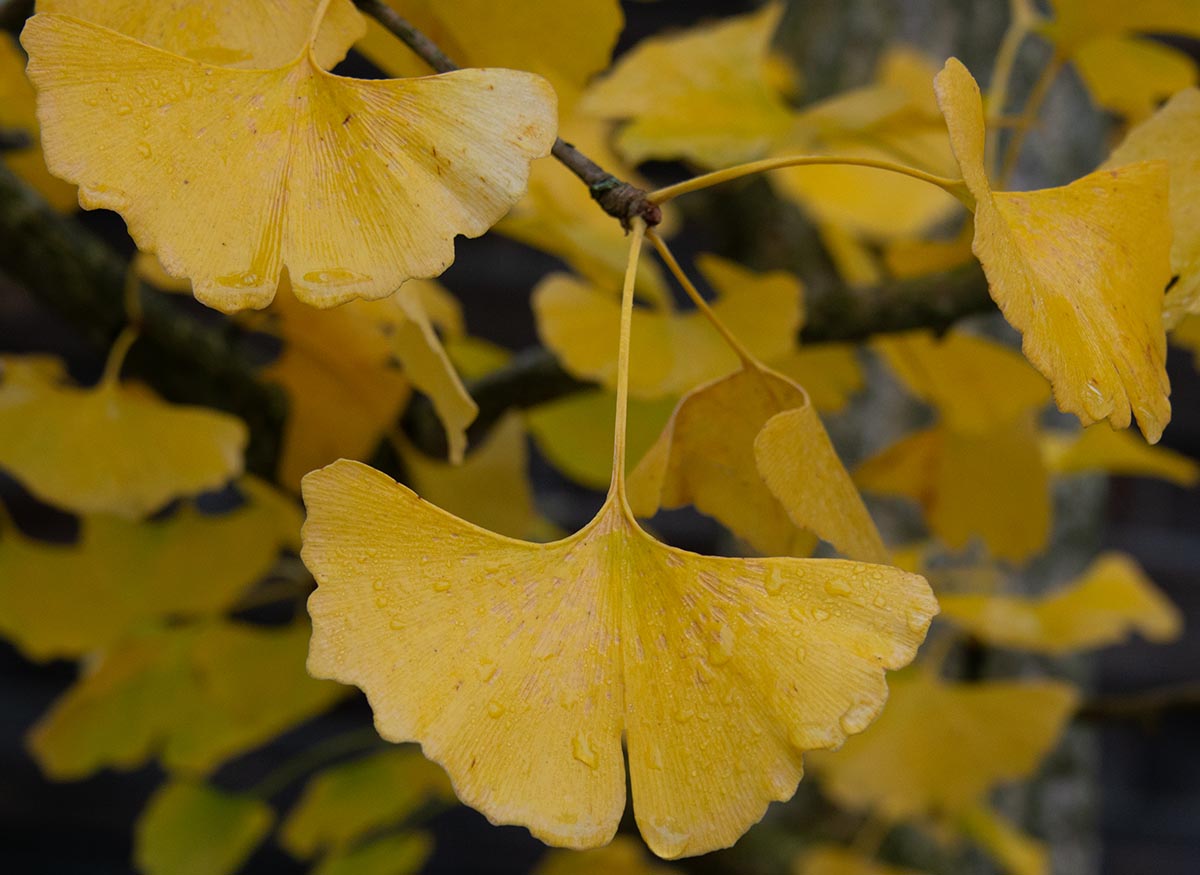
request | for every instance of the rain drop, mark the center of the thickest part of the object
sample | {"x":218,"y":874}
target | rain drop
{"x":487,"y":670}
{"x":581,"y":748}
{"x":441,"y":586}
{"x":820,"y":614}
{"x":837,"y":587}
{"x":495,"y":709}
{"x":721,"y":649}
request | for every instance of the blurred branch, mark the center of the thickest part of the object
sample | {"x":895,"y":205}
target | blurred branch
{"x":201,"y":360}
{"x":185,"y":358}
{"x":1147,"y":706}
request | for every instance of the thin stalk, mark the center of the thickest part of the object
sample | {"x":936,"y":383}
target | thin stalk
{"x":622,"y":417}
{"x":1021,"y":21}
{"x":1029,"y":115}
{"x":664,"y":252}
{"x":308,"y":760}
{"x":116,"y":355}
{"x":955,"y":187}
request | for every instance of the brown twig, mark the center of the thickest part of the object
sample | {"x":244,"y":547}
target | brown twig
{"x":1146,"y":706}
{"x":620,"y":199}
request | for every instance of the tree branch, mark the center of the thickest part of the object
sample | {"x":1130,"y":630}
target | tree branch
{"x":620,"y":199}
{"x":202,"y":361}
{"x":185,"y":358}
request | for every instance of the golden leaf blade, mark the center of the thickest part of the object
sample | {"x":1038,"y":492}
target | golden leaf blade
{"x":523,"y":663}
{"x":111,"y":448}
{"x":1111,"y":600}
{"x":674,"y":352}
{"x":704,"y":95}
{"x":17,"y":113}
{"x":66,"y":600}
{"x":940,"y":746}
{"x":249,"y":34}
{"x":975,"y":384}
{"x":349,"y":801}
{"x":1130,"y":75}
{"x":402,"y":853}
{"x":192,"y":696}
{"x":1171,"y":135}
{"x":1078,"y":270}
{"x":770,"y":490}
{"x":573,"y":433}
{"x":946,"y":472}
{"x":574,"y":40}
{"x":231,"y":176}
{"x":1100,"y":448}
{"x":190,"y":828}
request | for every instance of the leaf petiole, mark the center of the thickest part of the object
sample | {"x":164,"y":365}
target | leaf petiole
{"x":955,"y":187}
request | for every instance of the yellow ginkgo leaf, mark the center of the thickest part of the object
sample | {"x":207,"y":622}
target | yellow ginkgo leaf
{"x":353,"y":186}
{"x":1074,"y":22}
{"x":190,"y":828}
{"x":1171,"y":135}
{"x":111,"y":448}
{"x":674,"y":352}
{"x":192,"y":695}
{"x":830,"y":860}
{"x":17,"y":114}
{"x":398,"y":854}
{"x":704,"y":95}
{"x":559,"y":216}
{"x":574,"y":40}
{"x":829,"y":372}
{"x":416,"y":346}
{"x":1100,"y":448}
{"x":348,"y":373}
{"x":1131,"y":76}
{"x":940,"y":746}
{"x":894,"y":118}
{"x":349,"y":801}
{"x":750,"y":451}
{"x":61,"y":600}
{"x":573,"y":432}
{"x":521,"y":667}
{"x":249,"y":34}
{"x":490,"y":488}
{"x":1102,"y":607}
{"x":989,"y":484}
{"x":344,"y":391}
{"x":1078,"y":270}
{"x":621,"y":856}
{"x":975,"y":384}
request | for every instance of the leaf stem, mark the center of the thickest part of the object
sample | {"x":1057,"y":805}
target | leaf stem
{"x":664,"y":252}
{"x":620,"y":199}
{"x":116,"y":355}
{"x":622,"y":417}
{"x":955,"y":187}
{"x":308,"y":760}
{"x":1022,"y":18}
{"x":1033,"y":106}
